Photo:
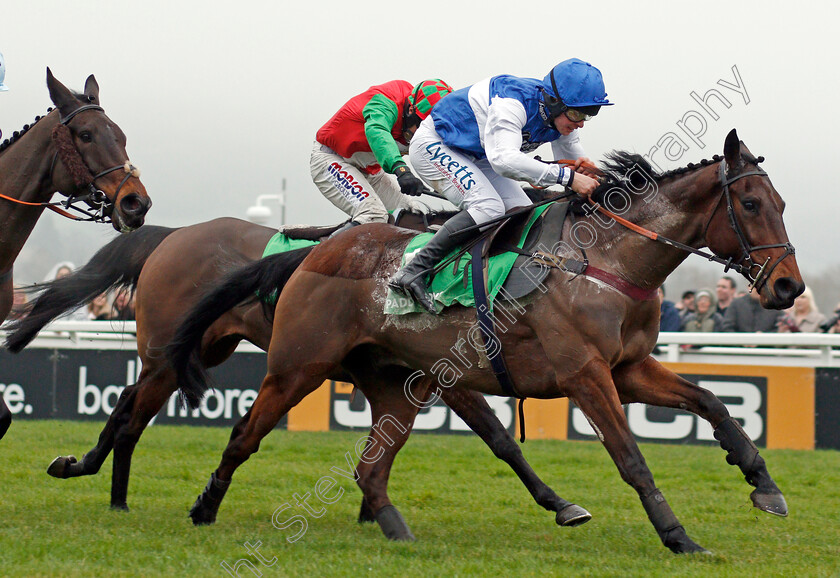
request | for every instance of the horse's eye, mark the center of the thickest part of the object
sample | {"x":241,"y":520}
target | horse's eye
{"x":85,"y":136}
{"x":750,"y":205}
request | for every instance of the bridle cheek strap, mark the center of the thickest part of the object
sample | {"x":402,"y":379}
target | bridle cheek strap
{"x":760,"y":278}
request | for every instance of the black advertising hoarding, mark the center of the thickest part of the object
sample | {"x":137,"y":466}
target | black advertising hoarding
{"x":827,"y":408}
{"x":356,"y":415}
{"x":82,"y":384}
{"x":745,"y":398}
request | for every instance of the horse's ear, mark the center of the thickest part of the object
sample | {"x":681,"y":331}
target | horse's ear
{"x":61,"y":96}
{"x":732,"y":150}
{"x":92,"y":90}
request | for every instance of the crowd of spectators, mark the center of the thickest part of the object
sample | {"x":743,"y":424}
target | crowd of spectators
{"x":111,"y":305}
{"x":727,"y":310}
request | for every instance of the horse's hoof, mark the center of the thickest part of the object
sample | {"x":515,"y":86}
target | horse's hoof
{"x":365,"y":513}
{"x":772,"y":503}
{"x":200,"y":515}
{"x":60,"y":467}
{"x":679,"y":543}
{"x":572,"y":515}
{"x":393,"y":525}
{"x":123,"y":507}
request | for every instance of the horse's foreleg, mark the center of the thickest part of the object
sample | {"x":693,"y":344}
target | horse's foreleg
{"x":6,"y":300}
{"x":651,"y":383}
{"x":5,"y":417}
{"x":593,"y":391}
{"x":477,"y":414}
{"x":69,"y":467}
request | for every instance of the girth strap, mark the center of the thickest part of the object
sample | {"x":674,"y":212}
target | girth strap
{"x":488,"y":331}
{"x":584,"y":268}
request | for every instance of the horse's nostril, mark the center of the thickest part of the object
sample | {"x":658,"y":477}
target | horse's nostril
{"x":787,"y":289}
{"x":132,"y":204}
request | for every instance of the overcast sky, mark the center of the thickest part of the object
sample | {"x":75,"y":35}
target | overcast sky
{"x":221,"y":100}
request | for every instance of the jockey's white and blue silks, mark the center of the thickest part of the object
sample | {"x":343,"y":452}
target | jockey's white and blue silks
{"x":472,"y":147}
{"x":502,"y":118}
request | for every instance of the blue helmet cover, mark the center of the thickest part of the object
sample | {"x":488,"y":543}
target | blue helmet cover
{"x":577,"y":84}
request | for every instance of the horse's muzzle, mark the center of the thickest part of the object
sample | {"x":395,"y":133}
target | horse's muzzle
{"x":785,"y":291}
{"x":131,"y":212}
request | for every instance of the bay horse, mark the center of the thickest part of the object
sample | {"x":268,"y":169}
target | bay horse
{"x":78,"y":152}
{"x":170,"y":269}
{"x":587,"y":336}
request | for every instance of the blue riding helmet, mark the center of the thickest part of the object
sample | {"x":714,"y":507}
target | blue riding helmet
{"x":574,"y":84}
{"x":2,"y":73}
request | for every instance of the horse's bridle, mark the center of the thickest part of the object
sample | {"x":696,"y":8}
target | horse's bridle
{"x":102,"y":206}
{"x":745,"y":265}
{"x":96,"y":199}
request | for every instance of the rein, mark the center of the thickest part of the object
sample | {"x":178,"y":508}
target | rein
{"x":745,"y":269}
{"x":71,"y":158}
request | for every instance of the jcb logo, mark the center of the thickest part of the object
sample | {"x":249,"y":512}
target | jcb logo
{"x":744,"y":397}
{"x":345,"y":414}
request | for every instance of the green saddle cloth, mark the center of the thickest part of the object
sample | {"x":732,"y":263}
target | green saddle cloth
{"x":448,"y":286}
{"x":280,"y":243}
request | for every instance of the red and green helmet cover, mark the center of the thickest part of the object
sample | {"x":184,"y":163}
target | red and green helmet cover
{"x":427,"y":94}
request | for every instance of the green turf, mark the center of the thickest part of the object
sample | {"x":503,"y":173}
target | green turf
{"x":470,"y":515}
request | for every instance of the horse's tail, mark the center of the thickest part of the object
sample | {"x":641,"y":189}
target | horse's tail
{"x":116,"y":264}
{"x":262,"y":277}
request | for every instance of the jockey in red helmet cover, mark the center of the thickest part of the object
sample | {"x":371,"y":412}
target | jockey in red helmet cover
{"x":356,"y":159}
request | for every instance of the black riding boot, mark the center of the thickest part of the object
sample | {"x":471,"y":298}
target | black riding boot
{"x":411,"y":279}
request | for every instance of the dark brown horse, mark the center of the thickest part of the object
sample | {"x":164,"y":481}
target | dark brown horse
{"x":74,"y":150}
{"x":585,"y":337}
{"x":170,"y":269}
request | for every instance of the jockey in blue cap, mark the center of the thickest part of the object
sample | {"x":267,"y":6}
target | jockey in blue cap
{"x":473,"y":146}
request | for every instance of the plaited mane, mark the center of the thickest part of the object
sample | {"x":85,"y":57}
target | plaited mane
{"x":82,"y":98}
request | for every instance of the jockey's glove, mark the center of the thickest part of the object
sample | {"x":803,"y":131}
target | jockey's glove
{"x":409,"y":184}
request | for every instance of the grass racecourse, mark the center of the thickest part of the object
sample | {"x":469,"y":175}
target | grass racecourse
{"x":470,"y":514}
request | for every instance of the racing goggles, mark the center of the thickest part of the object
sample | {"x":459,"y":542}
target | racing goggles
{"x":575,"y":115}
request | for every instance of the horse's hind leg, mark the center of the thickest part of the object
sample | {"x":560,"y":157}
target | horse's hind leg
{"x":594,"y":392}
{"x":393,"y":416}
{"x":153,"y":390}
{"x":69,"y":467}
{"x":651,"y":383}
{"x":479,"y":416}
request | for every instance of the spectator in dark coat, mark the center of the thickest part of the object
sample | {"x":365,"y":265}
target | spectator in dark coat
{"x":746,"y":315}
{"x":669,"y":315}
